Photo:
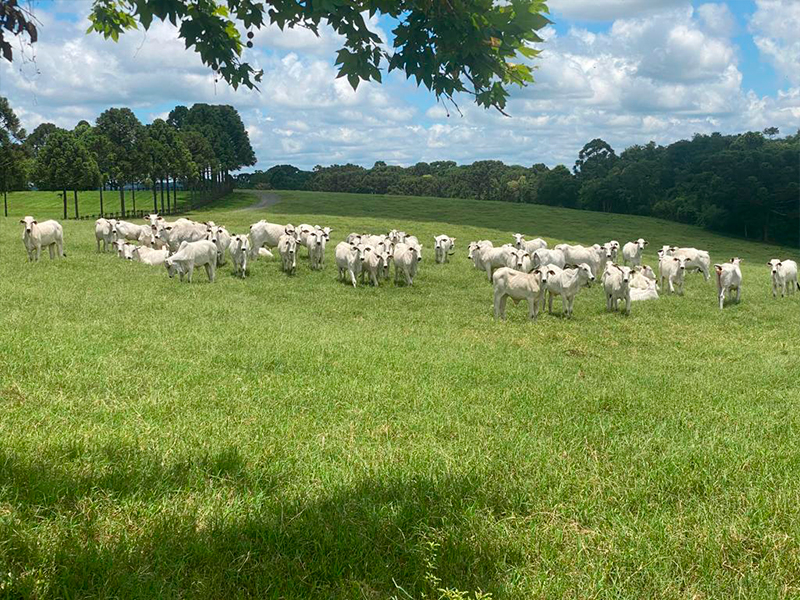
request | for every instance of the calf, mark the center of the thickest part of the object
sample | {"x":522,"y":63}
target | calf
{"x":35,"y":235}
{"x":102,"y":233}
{"x":287,"y":248}
{"x":406,"y":260}
{"x":124,"y":249}
{"x":784,"y":273}
{"x":643,"y":284}
{"x":240,"y":249}
{"x":673,"y":269}
{"x":124,"y":230}
{"x":632,"y":252}
{"x":729,"y":278}
{"x":374,"y":265}
{"x":509,"y":283}
{"x":349,"y":259}
{"x":616,"y":284}
{"x":568,"y":284}
{"x":149,"y":256}
{"x":443,"y":244}
{"x":190,"y":255}
{"x":315,"y":242}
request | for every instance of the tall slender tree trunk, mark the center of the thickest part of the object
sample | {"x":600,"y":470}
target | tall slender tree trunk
{"x":133,"y":196}
{"x":175,"y":190}
{"x":101,"y":198}
{"x":161,"y":185}
{"x":168,"y":207}
{"x":155,"y":198}
{"x":75,"y":194}
{"x":122,"y":199}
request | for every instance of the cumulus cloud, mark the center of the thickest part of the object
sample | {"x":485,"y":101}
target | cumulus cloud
{"x":775,"y":25}
{"x":661,"y":71}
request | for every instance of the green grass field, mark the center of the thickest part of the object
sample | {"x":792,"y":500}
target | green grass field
{"x":50,"y":205}
{"x":293,"y":437}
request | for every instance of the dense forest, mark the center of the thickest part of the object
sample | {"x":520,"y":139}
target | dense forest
{"x":745,"y":185}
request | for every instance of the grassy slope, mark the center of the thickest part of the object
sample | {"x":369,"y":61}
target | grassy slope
{"x":49,"y":205}
{"x":290,"y":437}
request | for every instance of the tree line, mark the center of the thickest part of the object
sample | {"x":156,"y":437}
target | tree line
{"x":195,"y":147}
{"x":744,"y":185}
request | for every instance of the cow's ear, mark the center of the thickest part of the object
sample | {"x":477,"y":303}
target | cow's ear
{"x":779,"y":264}
{"x":35,"y":222}
{"x":552,"y":272}
{"x":676,"y":259}
{"x":22,"y":221}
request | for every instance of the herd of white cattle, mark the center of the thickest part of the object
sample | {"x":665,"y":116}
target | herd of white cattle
{"x":523,"y":270}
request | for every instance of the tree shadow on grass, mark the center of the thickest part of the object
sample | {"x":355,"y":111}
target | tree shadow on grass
{"x":375,"y":538}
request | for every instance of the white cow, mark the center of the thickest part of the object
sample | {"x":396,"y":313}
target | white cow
{"x":125,"y":230}
{"x":488,"y":258}
{"x":240,"y":250}
{"x":729,"y":278}
{"x":784,"y":273}
{"x":374,"y":265}
{"x":516,"y":285}
{"x":124,"y":249}
{"x":406,"y":261}
{"x":568,"y":284}
{"x":611,"y":248}
{"x":696,"y":260}
{"x":102,"y":233}
{"x":202,"y":253}
{"x":673,"y":270}
{"x":315,"y":242}
{"x":548,"y":257}
{"x":287,"y":248}
{"x":616,"y":284}
{"x":576,"y":255}
{"x":173,"y":235}
{"x":632,"y":252}
{"x":349,"y":260}
{"x":36,"y":235}
{"x":150,"y":256}
{"x":529,"y":246}
{"x":643,"y":284}
{"x":222,"y":240}
{"x":268,"y":234}
{"x":443,"y":244}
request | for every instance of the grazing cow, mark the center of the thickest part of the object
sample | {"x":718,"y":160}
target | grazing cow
{"x":545,"y":257}
{"x":643,"y":284}
{"x":349,"y":259}
{"x":443,"y":244}
{"x":568,"y":284}
{"x":632,"y":252}
{"x":102,"y":233}
{"x":202,"y":253}
{"x":315,"y":242}
{"x":268,"y":234}
{"x":406,"y":261}
{"x":576,"y":255}
{"x":287,"y":248}
{"x":784,"y":273}
{"x":729,"y":278}
{"x":673,"y":270}
{"x":516,"y":285}
{"x":240,"y":250}
{"x":150,"y":256}
{"x":616,"y":284}
{"x":529,"y":246}
{"x":35,"y":235}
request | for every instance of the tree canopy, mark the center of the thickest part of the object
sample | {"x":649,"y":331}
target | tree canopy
{"x":452,"y":46}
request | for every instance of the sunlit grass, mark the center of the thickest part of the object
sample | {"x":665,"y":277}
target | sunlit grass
{"x":295,"y":437}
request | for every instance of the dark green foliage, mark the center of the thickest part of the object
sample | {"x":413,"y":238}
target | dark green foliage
{"x":64,"y":163}
{"x":745,"y":185}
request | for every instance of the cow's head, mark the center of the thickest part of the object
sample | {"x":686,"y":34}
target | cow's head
{"x":28,"y":222}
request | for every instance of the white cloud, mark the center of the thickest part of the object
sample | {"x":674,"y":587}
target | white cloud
{"x":610,"y":10}
{"x":717,"y":19}
{"x":775,"y":25}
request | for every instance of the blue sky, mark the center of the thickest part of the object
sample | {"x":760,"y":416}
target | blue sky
{"x":629,"y":71}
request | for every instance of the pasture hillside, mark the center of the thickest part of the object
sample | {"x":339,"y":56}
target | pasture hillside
{"x":285,"y":437}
